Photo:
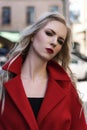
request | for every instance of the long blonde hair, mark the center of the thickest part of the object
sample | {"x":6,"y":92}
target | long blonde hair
{"x":24,"y":43}
{"x":26,"y":35}
{"x":63,"y":57}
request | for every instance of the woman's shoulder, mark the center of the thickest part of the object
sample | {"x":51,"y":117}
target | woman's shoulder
{"x":62,"y":78}
{"x":57,"y":72}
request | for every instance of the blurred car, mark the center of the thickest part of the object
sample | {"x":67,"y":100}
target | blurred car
{"x":3,"y":51}
{"x":80,"y":55}
{"x":78,"y":67}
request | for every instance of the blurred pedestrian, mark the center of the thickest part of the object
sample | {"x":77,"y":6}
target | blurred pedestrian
{"x":38,"y":92}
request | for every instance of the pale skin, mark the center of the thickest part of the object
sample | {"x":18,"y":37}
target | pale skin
{"x":33,"y":73}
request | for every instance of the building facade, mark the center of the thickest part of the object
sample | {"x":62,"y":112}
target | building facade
{"x":79,"y":24}
{"x":17,"y":14}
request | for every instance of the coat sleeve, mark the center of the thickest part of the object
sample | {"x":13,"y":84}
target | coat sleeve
{"x":77,"y":112}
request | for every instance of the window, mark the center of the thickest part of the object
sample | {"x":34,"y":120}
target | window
{"x":30,"y":14}
{"x":74,"y":16}
{"x":75,"y":12}
{"x":54,"y":8}
{"x":6,"y":15}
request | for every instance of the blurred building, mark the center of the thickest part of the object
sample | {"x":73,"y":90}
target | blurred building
{"x":15,"y":15}
{"x":78,"y":18}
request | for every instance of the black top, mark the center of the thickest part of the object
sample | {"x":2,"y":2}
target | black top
{"x":35,"y":104}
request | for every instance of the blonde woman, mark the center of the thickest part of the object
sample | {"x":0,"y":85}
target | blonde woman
{"x":37,"y":93}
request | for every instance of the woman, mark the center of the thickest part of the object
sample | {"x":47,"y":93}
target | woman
{"x":38,"y":94}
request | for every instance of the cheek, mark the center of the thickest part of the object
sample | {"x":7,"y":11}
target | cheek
{"x":36,"y":39}
{"x":39,"y":37}
{"x":58,"y":49}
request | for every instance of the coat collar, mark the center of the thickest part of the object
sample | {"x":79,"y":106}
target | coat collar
{"x":54,"y":69}
{"x":16,"y":91}
{"x":54,"y":94}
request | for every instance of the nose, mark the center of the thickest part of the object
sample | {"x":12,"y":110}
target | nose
{"x":54,"y":41}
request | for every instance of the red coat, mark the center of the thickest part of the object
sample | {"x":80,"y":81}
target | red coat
{"x":60,"y":109}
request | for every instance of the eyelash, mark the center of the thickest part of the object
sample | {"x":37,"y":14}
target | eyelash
{"x":50,"y":34}
{"x":60,"y":42}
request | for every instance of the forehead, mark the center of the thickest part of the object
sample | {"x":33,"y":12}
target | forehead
{"x":57,"y":26}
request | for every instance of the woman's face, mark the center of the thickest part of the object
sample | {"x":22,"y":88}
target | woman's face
{"x":49,"y":40}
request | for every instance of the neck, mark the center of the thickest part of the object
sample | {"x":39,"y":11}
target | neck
{"x":34,"y":68}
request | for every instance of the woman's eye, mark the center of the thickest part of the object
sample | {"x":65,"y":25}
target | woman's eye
{"x":61,"y":42}
{"x":48,"y":33}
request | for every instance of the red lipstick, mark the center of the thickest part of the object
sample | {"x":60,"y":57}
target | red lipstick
{"x":50,"y":51}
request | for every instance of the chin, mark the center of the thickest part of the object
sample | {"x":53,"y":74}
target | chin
{"x":47,"y":59}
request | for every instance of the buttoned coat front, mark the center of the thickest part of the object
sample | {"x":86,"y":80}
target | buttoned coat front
{"x":60,"y":110}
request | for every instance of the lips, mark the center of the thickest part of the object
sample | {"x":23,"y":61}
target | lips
{"x":50,"y":51}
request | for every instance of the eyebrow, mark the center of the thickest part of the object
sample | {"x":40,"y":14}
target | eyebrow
{"x":52,"y":31}
{"x":55,"y":33}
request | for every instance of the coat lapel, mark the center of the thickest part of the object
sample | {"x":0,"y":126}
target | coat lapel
{"x":16,"y":91}
{"x":54,"y":95}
